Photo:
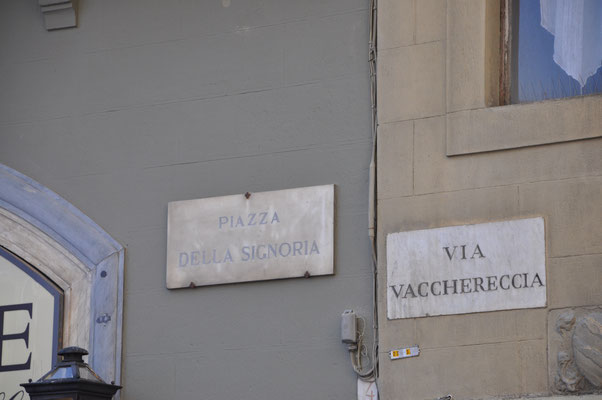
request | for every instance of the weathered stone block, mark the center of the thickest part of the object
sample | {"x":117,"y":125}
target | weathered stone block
{"x":465,"y":55}
{"x":411,"y":82}
{"x":533,"y":360}
{"x":394,"y":334}
{"x":521,"y":125}
{"x":495,"y":369}
{"x":480,"y":328}
{"x":431,"y":19}
{"x":575,"y":281}
{"x":396,"y":21}
{"x":434,"y":172}
{"x":445,"y":209}
{"x":395,"y":152}
{"x":472,"y":54}
{"x":573,"y":210}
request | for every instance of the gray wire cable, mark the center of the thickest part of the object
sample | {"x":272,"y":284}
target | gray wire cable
{"x":356,"y":351}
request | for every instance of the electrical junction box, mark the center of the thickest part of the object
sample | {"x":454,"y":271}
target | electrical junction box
{"x":349,"y":327}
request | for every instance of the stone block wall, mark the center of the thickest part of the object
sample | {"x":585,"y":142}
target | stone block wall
{"x":448,"y":155}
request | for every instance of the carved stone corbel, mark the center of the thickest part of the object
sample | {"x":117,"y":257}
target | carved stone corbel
{"x":59,"y":14}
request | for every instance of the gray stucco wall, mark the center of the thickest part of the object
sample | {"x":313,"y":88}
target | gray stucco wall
{"x":149,"y":102}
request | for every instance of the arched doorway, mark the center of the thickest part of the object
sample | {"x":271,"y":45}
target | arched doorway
{"x":70,"y":251}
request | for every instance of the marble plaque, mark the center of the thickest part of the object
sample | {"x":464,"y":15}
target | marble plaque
{"x":250,"y":237}
{"x":466,"y":269}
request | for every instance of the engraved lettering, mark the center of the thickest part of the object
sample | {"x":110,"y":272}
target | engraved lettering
{"x":194,"y":258}
{"x":446,"y":286}
{"x":491,"y":283}
{"x":260,"y":254}
{"x":450,"y":255}
{"x":395,"y":291}
{"x":478,"y":283}
{"x":183,"y":261}
{"x":477,"y":250}
{"x":538,"y":280}
{"x":263,"y":216}
{"x":297,"y":246}
{"x":409,"y":291}
{"x":245,"y":253}
{"x":286,"y":252}
{"x":465,"y":285}
{"x":227,"y":256}
{"x":275,"y":218}
{"x":502,"y":282}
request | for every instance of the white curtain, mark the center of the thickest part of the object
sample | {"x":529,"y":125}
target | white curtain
{"x":577,"y":29}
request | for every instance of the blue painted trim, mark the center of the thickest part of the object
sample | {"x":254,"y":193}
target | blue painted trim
{"x":54,"y":291}
{"x":56,"y":217}
{"x":91,"y":245}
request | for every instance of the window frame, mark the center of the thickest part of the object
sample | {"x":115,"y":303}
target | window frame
{"x":508,"y":68}
{"x":476,"y":120}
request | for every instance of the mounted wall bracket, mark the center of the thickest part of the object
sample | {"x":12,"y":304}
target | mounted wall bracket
{"x":59,"y":14}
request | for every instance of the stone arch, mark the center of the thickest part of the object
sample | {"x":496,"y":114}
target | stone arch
{"x":78,"y":256}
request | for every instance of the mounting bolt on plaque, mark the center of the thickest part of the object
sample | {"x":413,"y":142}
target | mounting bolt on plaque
{"x":247,"y":195}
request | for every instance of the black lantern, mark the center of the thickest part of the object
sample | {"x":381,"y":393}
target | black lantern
{"x":71,"y":379}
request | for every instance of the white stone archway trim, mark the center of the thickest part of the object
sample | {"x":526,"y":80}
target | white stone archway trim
{"x":76,"y":254}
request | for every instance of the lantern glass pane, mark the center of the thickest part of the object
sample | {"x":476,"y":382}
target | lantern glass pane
{"x":86,"y":373}
{"x":61,"y":373}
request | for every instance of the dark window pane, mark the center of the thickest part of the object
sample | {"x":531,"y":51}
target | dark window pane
{"x":564,"y":63}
